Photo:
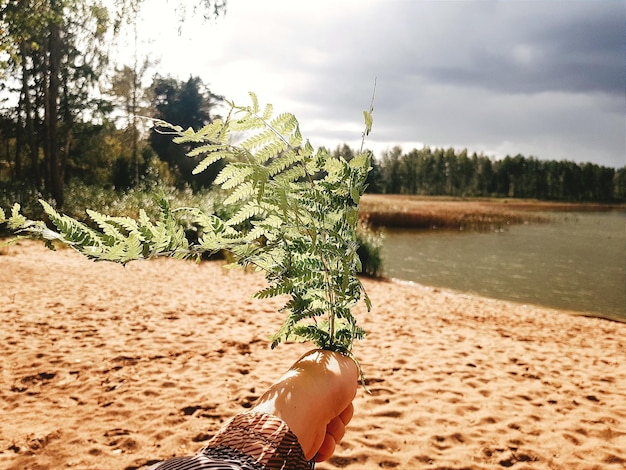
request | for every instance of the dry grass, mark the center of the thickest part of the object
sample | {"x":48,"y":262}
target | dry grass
{"x":383,"y":210}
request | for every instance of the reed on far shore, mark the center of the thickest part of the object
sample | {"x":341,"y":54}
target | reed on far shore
{"x":429,"y":212}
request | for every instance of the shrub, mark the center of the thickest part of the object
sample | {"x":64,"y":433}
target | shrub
{"x":370,"y":246}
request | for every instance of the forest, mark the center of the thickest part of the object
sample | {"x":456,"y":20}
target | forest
{"x":70,"y":115}
{"x":450,"y":172}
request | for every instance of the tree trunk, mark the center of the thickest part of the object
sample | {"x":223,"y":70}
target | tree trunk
{"x":28,"y":118}
{"x":19,"y":137}
{"x":53,"y":163}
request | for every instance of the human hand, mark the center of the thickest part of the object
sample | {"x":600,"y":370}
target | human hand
{"x":315,"y":398}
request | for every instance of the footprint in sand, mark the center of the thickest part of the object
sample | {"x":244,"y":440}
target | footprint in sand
{"x":343,"y":461}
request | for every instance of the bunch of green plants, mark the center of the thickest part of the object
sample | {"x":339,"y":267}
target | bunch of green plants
{"x":292,"y":212}
{"x":370,"y":247}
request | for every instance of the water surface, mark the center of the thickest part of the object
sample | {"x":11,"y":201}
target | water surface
{"x":576,"y":262}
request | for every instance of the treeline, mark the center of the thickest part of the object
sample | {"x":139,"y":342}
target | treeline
{"x":450,"y":172}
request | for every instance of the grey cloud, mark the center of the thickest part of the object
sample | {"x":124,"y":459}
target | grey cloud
{"x":545,"y":77}
{"x":508,"y":46}
{"x":542,"y":52}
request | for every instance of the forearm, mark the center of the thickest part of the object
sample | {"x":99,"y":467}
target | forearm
{"x":252,"y":441}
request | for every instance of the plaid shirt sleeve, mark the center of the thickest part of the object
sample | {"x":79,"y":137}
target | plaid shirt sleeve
{"x":250,"y":441}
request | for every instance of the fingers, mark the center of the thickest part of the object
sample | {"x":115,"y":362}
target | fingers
{"x":335,"y":431}
{"x":327,"y":449}
{"x":336,"y":428}
{"x":346,"y":415}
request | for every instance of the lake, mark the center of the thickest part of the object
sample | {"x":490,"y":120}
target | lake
{"x":575,"y":262}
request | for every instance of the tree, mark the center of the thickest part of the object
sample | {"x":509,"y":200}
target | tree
{"x":410,"y":165}
{"x":482,"y":177}
{"x":127,"y":91}
{"x":391,"y":171}
{"x":426,"y":171}
{"x":619,"y":184}
{"x":21,"y":34}
{"x":344,"y":151}
{"x":189,"y":105}
{"x":464,"y":174}
{"x":56,"y":53}
{"x":7,"y":143}
{"x":374,"y":178}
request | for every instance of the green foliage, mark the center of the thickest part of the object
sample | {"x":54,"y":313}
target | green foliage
{"x":292,"y":212}
{"x":128,"y":203}
{"x":448,"y":172}
{"x":370,"y":246}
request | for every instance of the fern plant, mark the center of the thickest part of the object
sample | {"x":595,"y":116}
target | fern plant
{"x":295,"y":215}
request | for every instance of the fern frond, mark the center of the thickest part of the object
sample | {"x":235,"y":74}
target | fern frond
{"x":312,"y":333}
{"x":283,"y":161}
{"x":233,"y":175}
{"x":105,"y":225}
{"x":210,"y":160}
{"x":215,"y":131}
{"x":187,"y":136}
{"x":284,"y":124}
{"x":255,"y":102}
{"x":273,"y":221}
{"x":127,"y":224}
{"x":247,"y":212}
{"x":213,"y":224}
{"x":267,"y":112}
{"x":207,"y":148}
{"x":273,"y":291}
{"x":246,"y":122}
{"x":294,"y":216}
{"x":270,"y":151}
{"x":295,"y":139}
{"x":258,"y":140}
{"x":245,"y":190}
{"x":16,"y":220}
{"x":74,"y":232}
{"x":291,"y":175}
{"x":283,"y":333}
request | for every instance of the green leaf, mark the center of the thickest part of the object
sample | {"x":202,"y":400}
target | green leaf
{"x":255,"y":102}
{"x":244,"y":191}
{"x":267,"y":113}
{"x":210,"y":160}
{"x":247,"y":212}
{"x":17,"y":220}
{"x":368,"y":122}
{"x":207,"y":148}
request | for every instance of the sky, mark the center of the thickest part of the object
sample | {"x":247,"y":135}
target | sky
{"x":542,"y":78}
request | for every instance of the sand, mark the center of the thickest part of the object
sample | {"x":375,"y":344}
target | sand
{"x":111,"y":367}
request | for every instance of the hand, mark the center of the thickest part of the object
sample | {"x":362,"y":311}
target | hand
{"x":315,"y":398}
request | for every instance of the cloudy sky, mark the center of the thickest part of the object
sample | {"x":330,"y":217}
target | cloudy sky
{"x":542,"y":78}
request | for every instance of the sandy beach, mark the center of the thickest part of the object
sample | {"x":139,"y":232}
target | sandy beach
{"x":111,"y":367}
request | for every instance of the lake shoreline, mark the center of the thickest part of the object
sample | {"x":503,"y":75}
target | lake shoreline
{"x":577,"y":313}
